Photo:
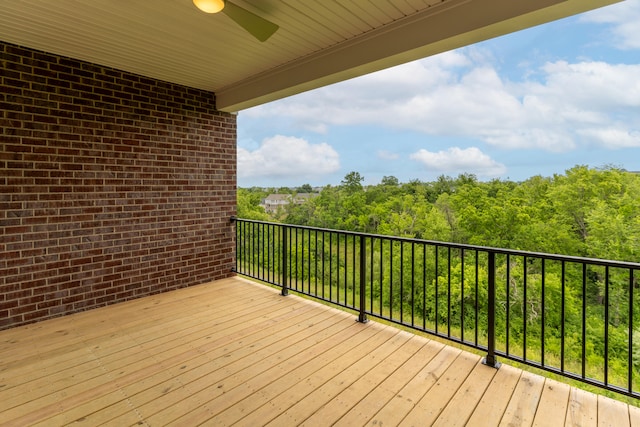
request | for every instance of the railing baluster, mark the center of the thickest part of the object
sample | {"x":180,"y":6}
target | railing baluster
{"x":381,"y":275}
{"x":330,"y":266}
{"x":436,"y":250}
{"x":297,"y":266}
{"x":490,"y":358}
{"x":508,"y":305}
{"x":542,"y":314}
{"x":562,"y":315}
{"x":606,"y":325}
{"x":401,"y":282}
{"x":346,"y":269}
{"x":261,"y":237}
{"x":476,"y":298}
{"x":307,"y":262}
{"x":424,"y":287}
{"x":250,"y":247}
{"x":293,"y":269}
{"x":238,"y":260}
{"x":413,"y":275}
{"x":630,"y":332}
{"x":524,"y":308}
{"x":584,"y":321}
{"x":362,"y":316}
{"x":272,"y":253}
{"x":285,"y":255}
{"x":371,"y":274}
{"x":462,"y":294}
{"x":390,"y":279}
{"x":338,"y":235}
{"x":323,"y":266}
{"x":449,"y":292}
{"x":353,"y":277}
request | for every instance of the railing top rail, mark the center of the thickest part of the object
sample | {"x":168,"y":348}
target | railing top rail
{"x":502,"y":251}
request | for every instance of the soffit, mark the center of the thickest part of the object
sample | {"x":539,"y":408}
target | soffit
{"x":318,"y":43}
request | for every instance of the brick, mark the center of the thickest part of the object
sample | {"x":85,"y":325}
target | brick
{"x":114,"y":186}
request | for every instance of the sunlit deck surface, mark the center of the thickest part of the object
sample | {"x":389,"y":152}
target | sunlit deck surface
{"x":235,"y":352}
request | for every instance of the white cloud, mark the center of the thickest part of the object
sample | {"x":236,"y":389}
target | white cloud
{"x":592,"y":85}
{"x":366,"y":99}
{"x":624,"y":18}
{"x":387,"y":155}
{"x":613,"y":137}
{"x":455,"y":159}
{"x":569,"y":105}
{"x":286,"y":156}
{"x":319,"y":128}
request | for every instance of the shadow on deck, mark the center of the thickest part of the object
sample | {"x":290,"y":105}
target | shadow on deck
{"x":235,"y":352}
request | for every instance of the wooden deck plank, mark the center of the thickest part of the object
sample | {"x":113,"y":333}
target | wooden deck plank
{"x":403,"y":402}
{"x":269,"y":401}
{"x":236,"y":352}
{"x":127,"y":363}
{"x":461,"y":406}
{"x":155,"y":392}
{"x":370,"y":379}
{"x":75,"y":328}
{"x":103,"y":339}
{"x":634,"y":416}
{"x":130,"y":370}
{"x":284,"y":385}
{"x":582,"y":410}
{"x":154,"y":388}
{"x":379,"y":396}
{"x":226,"y":372}
{"x":329,"y":384}
{"x":552,"y":408}
{"x":433,"y":403}
{"x":493,"y":403}
{"x":278,"y":364}
{"x":524,"y":402}
{"x":85,"y":364}
{"x":612,"y":413}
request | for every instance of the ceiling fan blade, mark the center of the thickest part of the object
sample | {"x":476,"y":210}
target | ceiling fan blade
{"x":259,"y":27}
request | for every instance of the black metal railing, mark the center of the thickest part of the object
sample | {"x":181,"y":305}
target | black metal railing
{"x":572,"y":316}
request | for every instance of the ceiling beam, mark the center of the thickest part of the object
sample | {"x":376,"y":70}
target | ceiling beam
{"x":441,"y":28}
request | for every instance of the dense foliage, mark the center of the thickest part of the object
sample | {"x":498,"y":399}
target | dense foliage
{"x":584,"y":212}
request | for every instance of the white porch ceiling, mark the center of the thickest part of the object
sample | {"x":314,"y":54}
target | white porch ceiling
{"x":318,"y":43}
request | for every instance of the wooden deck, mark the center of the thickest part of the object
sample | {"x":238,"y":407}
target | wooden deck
{"x":234,"y":352}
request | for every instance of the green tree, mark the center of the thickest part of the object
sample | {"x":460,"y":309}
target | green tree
{"x":352,"y":182}
{"x":248,"y":202}
{"x":305,"y":188}
{"x":390,"y":181}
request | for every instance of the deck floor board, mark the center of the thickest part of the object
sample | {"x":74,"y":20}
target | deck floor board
{"x":233,"y":352}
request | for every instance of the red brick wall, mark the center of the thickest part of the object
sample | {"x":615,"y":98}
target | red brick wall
{"x":113,"y":186}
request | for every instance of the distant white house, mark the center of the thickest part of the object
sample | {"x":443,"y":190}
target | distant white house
{"x":273,"y":202}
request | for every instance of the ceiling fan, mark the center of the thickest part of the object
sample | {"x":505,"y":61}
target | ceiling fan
{"x":257,"y":26}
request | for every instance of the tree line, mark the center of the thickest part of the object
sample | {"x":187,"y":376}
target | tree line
{"x":588,"y":212}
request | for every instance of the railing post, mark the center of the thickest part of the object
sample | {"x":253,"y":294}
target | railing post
{"x":490,"y":359}
{"x":236,"y":233}
{"x":285,"y":265}
{"x":362,"y":316}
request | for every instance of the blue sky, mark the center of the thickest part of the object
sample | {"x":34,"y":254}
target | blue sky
{"x":536,"y":102}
